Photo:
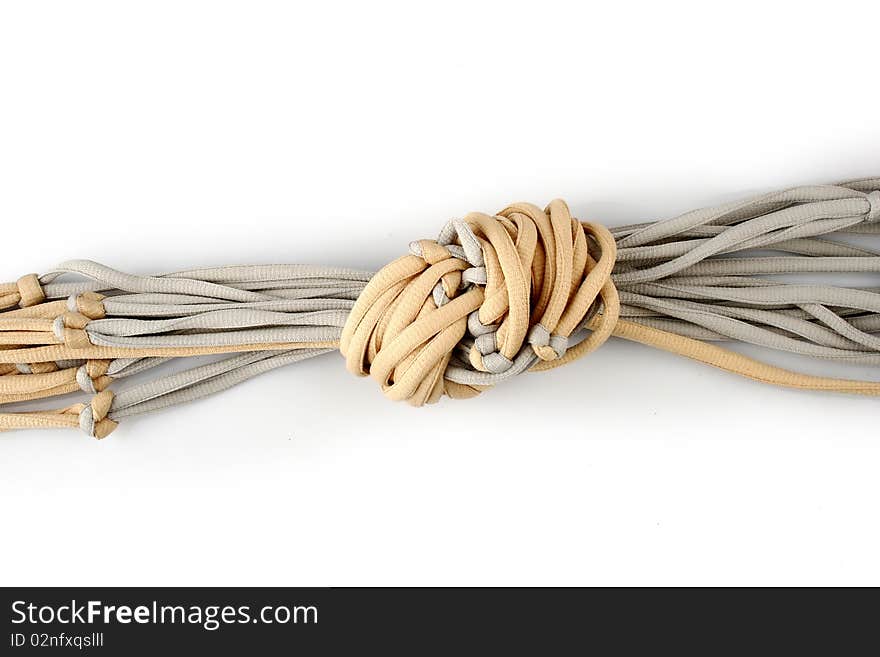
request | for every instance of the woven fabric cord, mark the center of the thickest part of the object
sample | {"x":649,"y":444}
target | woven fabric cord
{"x":494,"y":296}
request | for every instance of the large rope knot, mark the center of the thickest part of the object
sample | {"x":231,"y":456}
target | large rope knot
{"x":492,"y":297}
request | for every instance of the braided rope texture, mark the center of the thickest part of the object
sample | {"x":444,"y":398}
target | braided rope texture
{"x":493,"y":296}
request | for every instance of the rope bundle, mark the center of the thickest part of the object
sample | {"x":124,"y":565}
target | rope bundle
{"x":492,"y":297}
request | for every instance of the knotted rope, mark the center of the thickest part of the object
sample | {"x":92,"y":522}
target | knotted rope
{"x":24,"y":292}
{"x":508,"y":290}
{"x":492,"y":297}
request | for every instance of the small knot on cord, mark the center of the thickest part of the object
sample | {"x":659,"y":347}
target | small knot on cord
{"x":546,"y":345}
{"x":92,"y":376}
{"x":492,"y":297}
{"x":70,"y":327}
{"x":873,"y":207}
{"x":30,"y":291}
{"x":90,"y":304}
{"x":93,"y":418}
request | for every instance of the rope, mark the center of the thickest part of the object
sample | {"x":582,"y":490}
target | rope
{"x":518,"y":284}
{"x":492,"y":297}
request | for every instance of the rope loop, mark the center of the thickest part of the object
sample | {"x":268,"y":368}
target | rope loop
{"x":491,"y":297}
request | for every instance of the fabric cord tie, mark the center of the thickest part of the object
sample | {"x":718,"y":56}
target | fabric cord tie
{"x":26,"y":291}
{"x":30,"y":291}
{"x":93,"y":418}
{"x":92,"y":376}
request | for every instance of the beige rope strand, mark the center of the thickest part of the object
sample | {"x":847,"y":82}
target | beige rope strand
{"x":736,"y":363}
{"x":43,"y":393}
{"x":53,"y":381}
{"x":65,"y":418}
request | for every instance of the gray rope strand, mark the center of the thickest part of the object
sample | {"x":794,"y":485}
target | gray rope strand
{"x":202,"y":381}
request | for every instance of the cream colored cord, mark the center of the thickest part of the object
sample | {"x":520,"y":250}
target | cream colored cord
{"x":494,"y":296}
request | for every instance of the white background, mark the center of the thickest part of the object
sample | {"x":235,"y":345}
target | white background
{"x":164,"y":135}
